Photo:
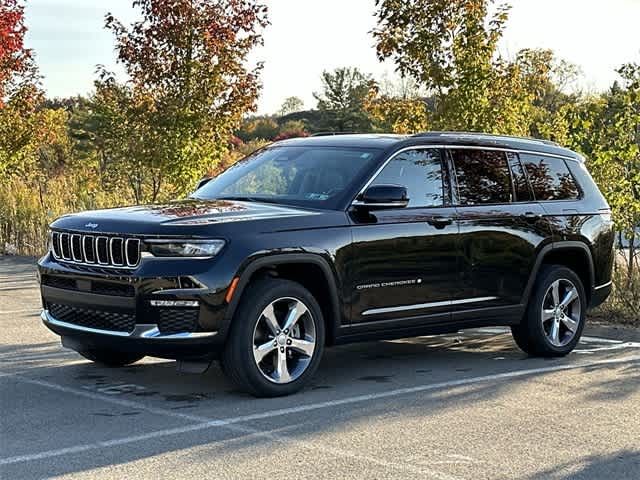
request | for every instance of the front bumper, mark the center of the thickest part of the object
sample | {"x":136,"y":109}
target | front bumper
{"x":141,"y":331}
{"x":98,"y":308}
{"x":145,"y":339}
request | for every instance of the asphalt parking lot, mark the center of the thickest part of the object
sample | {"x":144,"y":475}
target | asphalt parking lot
{"x":464,"y":406}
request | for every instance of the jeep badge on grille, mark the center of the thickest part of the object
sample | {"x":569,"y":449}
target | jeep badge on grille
{"x":91,"y":225}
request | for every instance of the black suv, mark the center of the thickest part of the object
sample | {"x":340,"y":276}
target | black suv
{"x":333,"y":239}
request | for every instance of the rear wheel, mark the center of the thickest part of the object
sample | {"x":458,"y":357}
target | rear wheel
{"x":555,"y":316}
{"x":110,"y":358}
{"x":276,"y":340}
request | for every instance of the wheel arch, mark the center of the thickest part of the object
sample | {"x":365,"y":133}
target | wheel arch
{"x":575,"y":255}
{"x":302,"y":268}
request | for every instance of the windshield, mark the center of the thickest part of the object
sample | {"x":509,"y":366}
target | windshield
{"x":313,"y":176}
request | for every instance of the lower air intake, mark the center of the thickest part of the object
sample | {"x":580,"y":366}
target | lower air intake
{"x":97,"y":319}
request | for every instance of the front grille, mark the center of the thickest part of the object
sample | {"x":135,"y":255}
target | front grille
{"x":177,"y":320}
{"x":101,"y":250}
{"x":101,"y":320}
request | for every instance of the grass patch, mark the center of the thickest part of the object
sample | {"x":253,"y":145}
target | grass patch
{"x":623,"y":305}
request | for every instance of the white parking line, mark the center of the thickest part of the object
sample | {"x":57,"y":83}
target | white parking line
{"x":36,"y":357}
{"x":598,"y":340}
{"x":202,"y":423}
{"x":19,"y":289}
{"x":617,"y":346}
{"x":24,"y":284}
{"x":24,"y":310}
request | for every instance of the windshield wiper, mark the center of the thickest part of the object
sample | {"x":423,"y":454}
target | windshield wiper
{"x":246,"y":198}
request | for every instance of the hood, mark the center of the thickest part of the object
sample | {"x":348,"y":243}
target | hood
{"x":172,"y":218}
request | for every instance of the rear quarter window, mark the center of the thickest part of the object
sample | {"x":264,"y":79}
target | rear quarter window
{"x":549,"y":177}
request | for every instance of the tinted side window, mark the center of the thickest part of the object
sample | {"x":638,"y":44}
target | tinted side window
{"x":482,"y":175}
{"x":549,"y":177}
{"x":520,"y":184}
{"x":420,"y":171}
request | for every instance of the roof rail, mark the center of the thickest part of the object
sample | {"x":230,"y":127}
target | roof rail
{"x":485,"y":135}
{"x":330,"y":134}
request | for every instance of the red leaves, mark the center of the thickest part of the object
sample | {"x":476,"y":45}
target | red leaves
{"x":18,"y":74}
{"x":14,"y":58}
{"x":290,"y":134}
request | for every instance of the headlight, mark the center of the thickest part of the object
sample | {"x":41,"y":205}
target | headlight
{"x":185,"y":248}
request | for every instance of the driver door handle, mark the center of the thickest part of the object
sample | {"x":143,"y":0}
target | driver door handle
{"x":439,"y":221}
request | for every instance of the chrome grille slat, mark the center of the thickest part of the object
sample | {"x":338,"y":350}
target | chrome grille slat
{"x":105,"y":251}
{"x":91,"y":240}
{"x":76,"y":253}
{"x":55,"y":245}
{"x":65,"y":244}
{"x":116,"y":252}
{"x":132,"y":244}
{"x":96,"y":250}
{"x":60,"y":244}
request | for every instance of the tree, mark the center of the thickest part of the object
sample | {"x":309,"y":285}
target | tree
{"x":547,"y":79}
{"x":450,"y":48}
{"x":341,"y":102}
{"x":396,"y":114}
{"x":189,"y":88}
{"x":291,"y":129}
{"x":31,"y":138}
{"x":34,"y":145}
{"x":263,"y":128}
{"x":606,"y":129}
{"x":291,"y":105}
{"x":16,"y":62}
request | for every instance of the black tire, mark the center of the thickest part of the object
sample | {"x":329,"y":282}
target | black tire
{"x":110,"y":358}
{"x":238,"y":361}
{"x":530,"y":334}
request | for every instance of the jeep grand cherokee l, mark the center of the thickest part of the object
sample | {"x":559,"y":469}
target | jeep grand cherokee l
{"x":318,"y":241}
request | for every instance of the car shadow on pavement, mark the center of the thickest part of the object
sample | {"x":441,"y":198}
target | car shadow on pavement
{"x":621,"y":465}
{"x":616,"y":388}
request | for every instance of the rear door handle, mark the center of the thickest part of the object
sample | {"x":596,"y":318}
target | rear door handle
{"x":531,"y":216}
{"x":440,"y":221}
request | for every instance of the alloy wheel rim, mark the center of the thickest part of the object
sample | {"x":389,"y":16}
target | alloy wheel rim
{"x":561,"y":312}
{"x":284,"y":340}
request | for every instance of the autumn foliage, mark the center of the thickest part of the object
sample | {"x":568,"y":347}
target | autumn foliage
{"x":15,"y":59}
{"x":12,"y":30}
{"x":190,"y":85}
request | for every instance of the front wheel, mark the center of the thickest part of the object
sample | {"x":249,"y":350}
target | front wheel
{"x":555,"y":316}
{"x":110,"y":358}
{"x":276,"y":340}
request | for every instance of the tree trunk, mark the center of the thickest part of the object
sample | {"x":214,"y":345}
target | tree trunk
{"x":630,"y":263}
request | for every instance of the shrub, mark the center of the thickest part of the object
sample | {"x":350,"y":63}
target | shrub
{"x":26,"y":210}
{"x":623,"y":305}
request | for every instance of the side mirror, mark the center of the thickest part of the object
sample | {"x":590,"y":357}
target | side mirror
{"x":378,"y":197}
{"x":202,"y":182}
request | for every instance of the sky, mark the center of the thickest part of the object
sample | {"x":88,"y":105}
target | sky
{"x":308,"y":36}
